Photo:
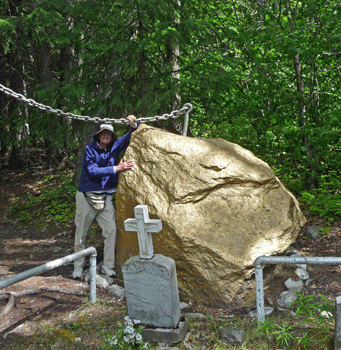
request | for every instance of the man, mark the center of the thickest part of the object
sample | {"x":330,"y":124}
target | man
{"x":93,"y":199}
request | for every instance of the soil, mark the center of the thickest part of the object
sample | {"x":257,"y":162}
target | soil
{"x":55,"y":295}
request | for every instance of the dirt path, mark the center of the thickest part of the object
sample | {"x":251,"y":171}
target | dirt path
{"x":52,"y":295}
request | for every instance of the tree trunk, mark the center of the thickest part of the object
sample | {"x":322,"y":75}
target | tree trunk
{"x":172,"y":57}
{"x":311,"y":180}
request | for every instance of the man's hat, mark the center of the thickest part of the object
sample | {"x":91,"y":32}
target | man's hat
{"x":104,"y":127}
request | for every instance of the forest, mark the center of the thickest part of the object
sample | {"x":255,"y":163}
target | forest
{"x":264,"y":74}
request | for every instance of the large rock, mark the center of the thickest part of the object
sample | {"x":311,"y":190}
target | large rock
{"x":220,"y":206}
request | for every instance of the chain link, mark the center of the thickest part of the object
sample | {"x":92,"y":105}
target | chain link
{"x":186,"y":109}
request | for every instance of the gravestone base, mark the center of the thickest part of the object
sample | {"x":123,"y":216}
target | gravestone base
{"x":166,"y":335}
{"x":152,"y":291}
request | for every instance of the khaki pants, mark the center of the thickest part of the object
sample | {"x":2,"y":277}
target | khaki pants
{"x":85,"y":215}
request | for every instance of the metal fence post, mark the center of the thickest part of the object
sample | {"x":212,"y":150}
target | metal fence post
{"x":259,"y":293}
{"x":337,"y":332}
{"x":93,"y":278}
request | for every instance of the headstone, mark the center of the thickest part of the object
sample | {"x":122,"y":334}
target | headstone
{"x":150,"y":280}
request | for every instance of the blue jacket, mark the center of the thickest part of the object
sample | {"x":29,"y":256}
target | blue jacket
{"x":98,"y":167}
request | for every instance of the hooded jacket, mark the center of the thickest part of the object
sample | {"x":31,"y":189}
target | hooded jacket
{"x":98,"y":172}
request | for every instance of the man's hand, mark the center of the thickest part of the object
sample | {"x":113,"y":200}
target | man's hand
{"x":132,"y":120}
{"x":122,"y":166}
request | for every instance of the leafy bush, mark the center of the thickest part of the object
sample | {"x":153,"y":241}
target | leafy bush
{"x":54,"y":204}
{"x":326,"y":200}
{"x":311,"y":311}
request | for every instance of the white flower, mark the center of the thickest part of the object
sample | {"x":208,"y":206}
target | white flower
{"x":112,"y":341}
{"x":136,"y":321}
{"x":138,"y":337}
{"x":128,"y":321}
{"x":129,"y":330}
{"x":126,"y":339}
{"x":145,"y":346}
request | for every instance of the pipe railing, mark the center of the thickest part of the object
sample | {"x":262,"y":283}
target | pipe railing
{"x":57,"y":263}
{"x":262,"y":260}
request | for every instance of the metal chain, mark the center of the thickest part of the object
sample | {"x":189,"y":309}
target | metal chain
{"x":186,"y":109}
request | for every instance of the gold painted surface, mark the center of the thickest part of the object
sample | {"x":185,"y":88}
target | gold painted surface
{"x":221,"y":207}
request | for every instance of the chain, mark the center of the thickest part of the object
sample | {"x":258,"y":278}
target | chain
{"x":186,"y":109}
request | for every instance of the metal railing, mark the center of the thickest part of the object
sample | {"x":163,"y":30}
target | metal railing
{"x":57,"y":263}
{"x":337,"y":332}
{"x":262,"y":260}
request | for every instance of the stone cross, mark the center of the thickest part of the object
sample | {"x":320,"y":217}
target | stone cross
{"x":144,"y":227}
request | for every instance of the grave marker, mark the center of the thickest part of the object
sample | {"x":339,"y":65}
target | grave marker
{"x":150,"y":280}
{"x":144,"y":227}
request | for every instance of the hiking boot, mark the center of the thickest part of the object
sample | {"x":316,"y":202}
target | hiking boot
{"x":107,"y":271}
{"x":77,"y":272}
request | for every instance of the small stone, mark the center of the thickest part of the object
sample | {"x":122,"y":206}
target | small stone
{"x":302,"y":266}
{"x":309,"y":281}
{"x":286,"y":298}
{"x":78,"y":340}
{"x":55,"y":249}
{"x":312,"y":232}
{"x":188,"y":336}
{"x":108,"y":279}
{"x":183,"y":305}
{"x":302,"y":274}
{"x":326,"y":314}
{"x":267,"y":311}
{"x":294,"y":285}
{"x":196,"y":315}
{"x":101,"y":282}
{"x":117,"y":291}
{"x":232,"y":336}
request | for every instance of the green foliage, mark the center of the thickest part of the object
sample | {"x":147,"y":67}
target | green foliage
{"x":234,"y":61}
{"x":282,"y":335}
{"x":286,"y":336}
{"x":326,"y":200}
{"x":55,"y":205}
{"x":312,"y":310}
